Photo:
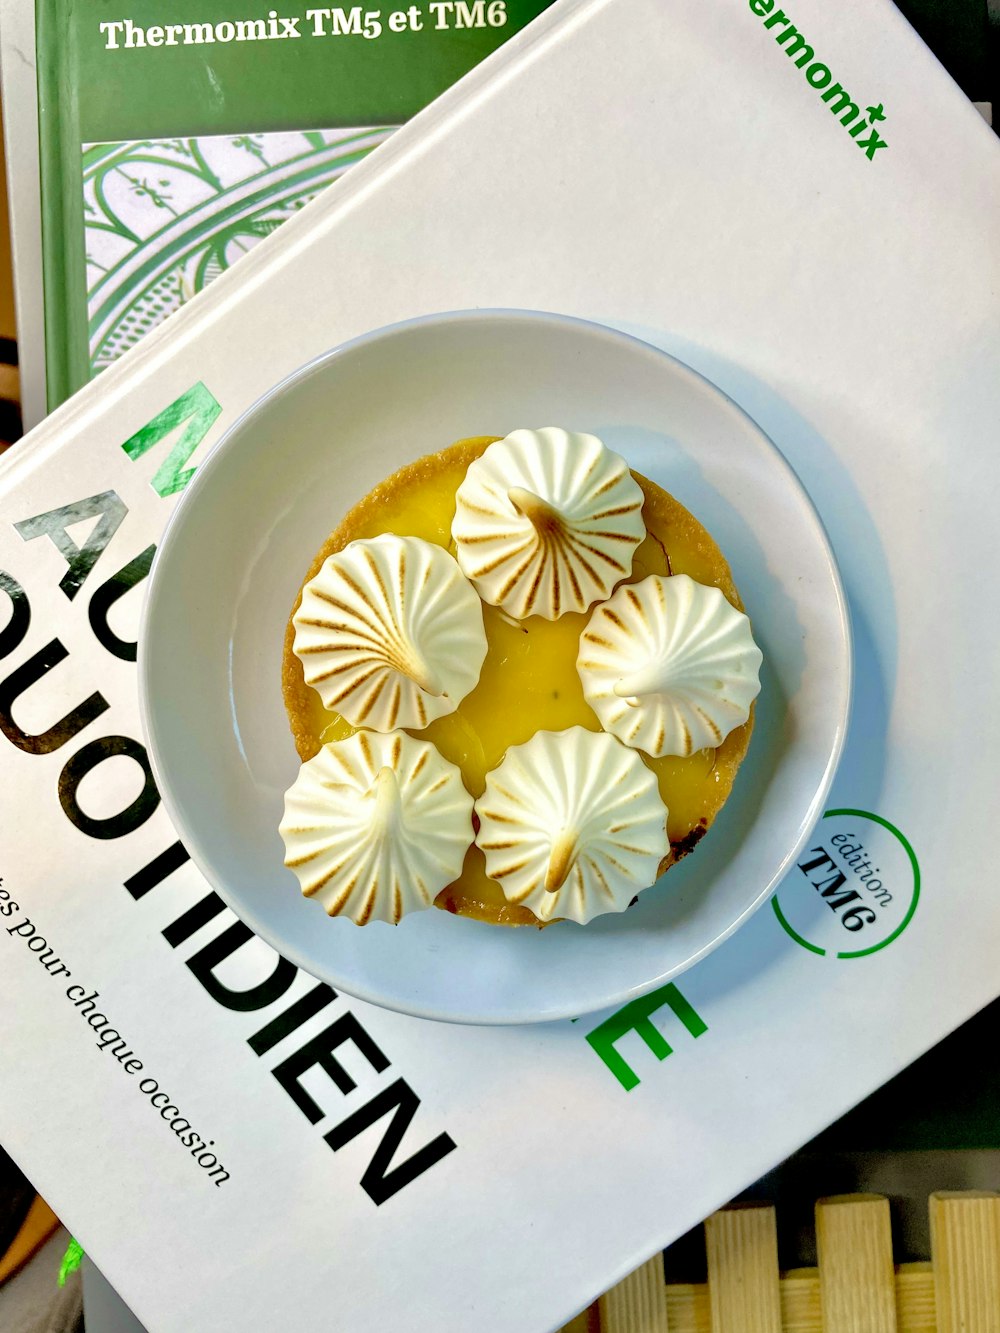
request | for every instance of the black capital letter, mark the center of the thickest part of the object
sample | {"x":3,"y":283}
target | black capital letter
{"x":157,"y":870}
{"x":823,"y":858}
{"x":16,"y":628}
{"x":293,"y":1017}
{"x":378,"y":1182}
{"x":204,"y":962}
{"x":85,"y":761}
{"x":106,"y":596}
{"x":60,"y":732}
{"x":319,"y":1051}
{"x":190,"y":922}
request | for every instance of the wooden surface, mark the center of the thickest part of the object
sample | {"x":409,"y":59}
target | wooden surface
{"x":855,"y":1289}
{"x":857,"y":1282}
{"x":965,"y":1252}
{"x":742,"y":1249}
{"x":638,"y":1304}
{"x":35,"y":1230}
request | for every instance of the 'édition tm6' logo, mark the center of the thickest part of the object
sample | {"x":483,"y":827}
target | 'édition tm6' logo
{"x":854,"y":889}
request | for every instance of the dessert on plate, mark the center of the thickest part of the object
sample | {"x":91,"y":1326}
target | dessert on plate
{"x":520,"y":681}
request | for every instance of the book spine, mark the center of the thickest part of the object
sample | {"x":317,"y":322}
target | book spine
{"x":63,"y":258}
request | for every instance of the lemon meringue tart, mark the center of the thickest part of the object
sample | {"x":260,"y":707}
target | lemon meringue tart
{"x":521,"y":682}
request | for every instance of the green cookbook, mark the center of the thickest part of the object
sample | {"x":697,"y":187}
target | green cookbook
{"x":169,"y":149}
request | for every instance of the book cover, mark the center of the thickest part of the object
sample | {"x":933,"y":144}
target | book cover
{"x":168,"y":150}
{"x":830,"y":262}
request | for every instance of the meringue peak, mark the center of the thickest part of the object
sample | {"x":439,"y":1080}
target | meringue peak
{"x":669,"y":665}
{"x":543,"y":517}
{"x":376,"y":825}
{"x":388,"y":800}
{"x":653,"y":678}
{"x":562,"y":858}
{"x":547,"y":521}
{"x":390,"y":633}
{"x":422,"y":674}
{"x":571,"y":825}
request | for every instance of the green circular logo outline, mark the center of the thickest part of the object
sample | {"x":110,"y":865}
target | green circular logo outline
{"x":915,"y":865}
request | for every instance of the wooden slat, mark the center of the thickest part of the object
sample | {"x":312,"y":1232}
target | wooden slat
{"x":639,"y":1303}
{"x":857,"y":1282}
{"x":742,"y":1254}
{"x":965,"y":1252}
{"x":742,"y":1249}
{"x":688,"y":1308}
{"x":689,"y":1304}
{"x":800,"y":1312}
{"x":916,"y":1309}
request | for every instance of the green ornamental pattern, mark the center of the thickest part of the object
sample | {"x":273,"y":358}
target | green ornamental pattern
{"x":163,"y":218}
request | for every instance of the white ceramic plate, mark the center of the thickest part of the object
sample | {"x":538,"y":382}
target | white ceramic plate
{"x":241,"y":539}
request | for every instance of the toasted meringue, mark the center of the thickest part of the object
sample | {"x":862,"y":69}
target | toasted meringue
{"x":547,"y":521}
{"x":376,"y":825}
{"x":572,"y":825}
{"x":669,"y":665}
{"x":390,"y":633}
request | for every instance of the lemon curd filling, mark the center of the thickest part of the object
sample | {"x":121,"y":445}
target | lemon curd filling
{"x":529,"y":681}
